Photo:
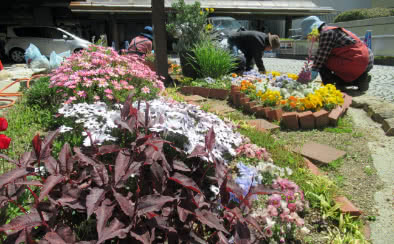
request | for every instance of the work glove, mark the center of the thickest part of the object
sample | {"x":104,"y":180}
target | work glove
{"x":314,"y":75}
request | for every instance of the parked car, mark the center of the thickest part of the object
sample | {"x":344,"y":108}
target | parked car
{"x":225,"y":25}
{"x":47,"y":39}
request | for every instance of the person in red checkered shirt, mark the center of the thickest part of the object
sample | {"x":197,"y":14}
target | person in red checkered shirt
{"x":342,"y":58}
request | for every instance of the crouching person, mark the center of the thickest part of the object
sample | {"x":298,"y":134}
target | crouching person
{"x":342,"y":58}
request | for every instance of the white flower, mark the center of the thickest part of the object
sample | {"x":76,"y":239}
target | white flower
{"x":305,"y":230}
{"x":215,"y":190}
{"x":64,"y":129}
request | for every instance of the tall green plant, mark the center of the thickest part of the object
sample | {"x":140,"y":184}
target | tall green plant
{"x":188,"y":24}
{"x":211,"y":60}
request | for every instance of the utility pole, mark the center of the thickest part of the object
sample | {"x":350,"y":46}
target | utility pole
{"x":160,"y":38}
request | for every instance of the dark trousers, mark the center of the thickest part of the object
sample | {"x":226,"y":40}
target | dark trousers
{"x":329,"y":77}
{"x":257,"y":56}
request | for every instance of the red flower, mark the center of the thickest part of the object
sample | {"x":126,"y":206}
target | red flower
{"x":4,"y":141}
{"x":3,"y":124}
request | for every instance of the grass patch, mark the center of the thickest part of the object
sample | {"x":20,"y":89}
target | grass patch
{"x":174,"y":94}
{"x":334,"y":165}
{"x":24,"y":122}
{"x":345,"y":125}
{"x":368,"y":170}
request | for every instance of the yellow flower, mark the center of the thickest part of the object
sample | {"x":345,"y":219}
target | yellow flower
{"x":207,"y":9}
{"x":211,"y":10}
{"x":201,"y":12}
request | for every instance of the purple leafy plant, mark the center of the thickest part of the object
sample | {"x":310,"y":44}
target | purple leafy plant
{"x":145,"y":191}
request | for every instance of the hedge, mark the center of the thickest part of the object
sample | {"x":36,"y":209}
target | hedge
{"x":365,"y":13}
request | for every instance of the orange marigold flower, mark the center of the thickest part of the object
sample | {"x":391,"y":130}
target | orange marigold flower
{"x":293,"y":104}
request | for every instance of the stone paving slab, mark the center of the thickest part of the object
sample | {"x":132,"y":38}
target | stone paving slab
{"x":263,"y":125}
{"x":194,"y":98}
{"x":319,"y":152}
{"x":221,"y":109}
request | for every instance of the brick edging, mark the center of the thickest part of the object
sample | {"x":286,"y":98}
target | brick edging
{"x":291,"y":120}
{"x":215,"y":93}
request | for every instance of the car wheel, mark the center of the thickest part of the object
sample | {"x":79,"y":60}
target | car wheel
{"x":17,"y":55}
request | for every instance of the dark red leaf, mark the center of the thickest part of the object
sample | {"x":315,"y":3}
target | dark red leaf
{"x":252,"y":221}
{"x":242,"y":233}
{"x":121,"y":163}
{"x":82,"y":157}
{"x":133,"y":170}
{"x":13,"y":175}
{"x":8,"y":158}
{"x":3,"y":201}
{"x":236,"y":212}
{"x":103,"y":213}
{"x":151,"y":203}
{"x":262,"y":190}
{"x":158,"y":174}
{"x":37,"y":145}
{"x":30,"y":183}
{"x":198,"y":151}
{"x":54,"y":238}
{"x":66,"y":233}
{"x":108,"y":149}
{"x":66,"y":160}
{"x":24,"y":221}
{"x":47,"y":143}
{"x":196,"y":238}
{"x":222,"y":238}
{"x":224,"y":194}
{"x":115,"y":229}
{"x":208,"y":218}
{"x":100,"y":174}
{"x":233,"y":187}
{"x":183,"y":213}
{"x":125,"y":204}
{"x":145,"y":238}
{"x":210,"y":140}
{"x":94,"y":199}
{"x":179,"y":165}
{"x":50,"y":183}
{"x":185,"y":181}
{"x":52,"y":165}
{"x":27,"y":159}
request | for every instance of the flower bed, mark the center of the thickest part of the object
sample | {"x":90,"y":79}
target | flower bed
{"x":275,"y":96}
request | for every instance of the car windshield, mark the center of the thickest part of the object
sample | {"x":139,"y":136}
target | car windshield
{"x":226,"y":24}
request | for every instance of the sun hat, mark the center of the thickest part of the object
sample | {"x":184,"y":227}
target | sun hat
{"x":148,"y":32}
{"x":274,"y":41}
{"x":309,"y":23}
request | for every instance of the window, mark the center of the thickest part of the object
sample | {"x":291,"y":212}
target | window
{"x":52,"y":33}
{"x":28,"y":32}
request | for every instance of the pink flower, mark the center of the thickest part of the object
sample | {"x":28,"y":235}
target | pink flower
{"x":145,"y":90}
{"x":268,"y":232}
{"x":109,"y":96}
{"x":292,"y":207}
{"x":108,"y":91}
{"x":81,"y":93}
{"x":273,"y":211}
{"x":275,"y":200}
{"x":96,"y":98}
{"x":103,"y":84}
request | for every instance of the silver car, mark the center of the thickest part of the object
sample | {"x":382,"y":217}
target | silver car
{"x":47,"y":39}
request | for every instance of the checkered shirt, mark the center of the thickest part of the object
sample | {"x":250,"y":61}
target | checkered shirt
{"x":334,"y":38}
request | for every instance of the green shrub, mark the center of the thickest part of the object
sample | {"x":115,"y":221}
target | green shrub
{"x":358,"y":14}
{"x":42,"y":95}
{"x":210,"y":60}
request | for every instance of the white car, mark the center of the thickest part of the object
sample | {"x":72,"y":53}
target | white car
{"x":47,"y":39}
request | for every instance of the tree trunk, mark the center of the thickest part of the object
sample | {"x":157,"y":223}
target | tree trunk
{"x":160,"y":39}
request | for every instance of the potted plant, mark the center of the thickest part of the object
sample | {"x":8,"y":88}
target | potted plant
{"x":187,"y":24}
